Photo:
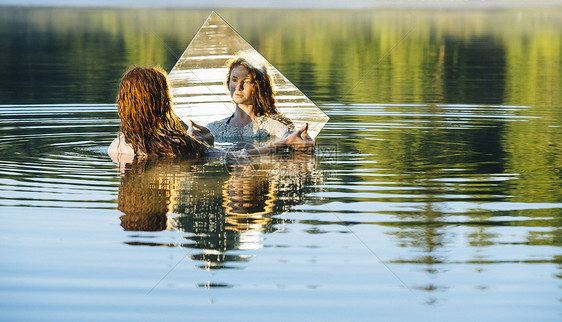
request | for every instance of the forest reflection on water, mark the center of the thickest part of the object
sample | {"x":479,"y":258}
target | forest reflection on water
{"x":385,"y":56}
{"x":443,"y":176}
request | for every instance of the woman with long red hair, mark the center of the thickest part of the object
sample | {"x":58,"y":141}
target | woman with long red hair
{"x":256,"y":115}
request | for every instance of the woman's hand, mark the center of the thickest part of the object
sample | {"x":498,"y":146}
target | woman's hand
{"x":200,"y":133}
{"x":300,"y":140}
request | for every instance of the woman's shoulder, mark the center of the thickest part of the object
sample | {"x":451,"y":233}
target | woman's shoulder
{"x":118,"y":145}
{"x":120,"y":151}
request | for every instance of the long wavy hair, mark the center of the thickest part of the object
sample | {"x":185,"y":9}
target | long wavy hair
{"x":148,"y":122}
{"x":263,"y":95}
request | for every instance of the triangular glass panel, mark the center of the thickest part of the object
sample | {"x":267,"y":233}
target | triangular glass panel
{"x":198,"y":80}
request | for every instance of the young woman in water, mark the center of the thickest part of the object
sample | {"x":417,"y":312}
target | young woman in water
{"x":149,"y":126}
{"x":256,"y":115}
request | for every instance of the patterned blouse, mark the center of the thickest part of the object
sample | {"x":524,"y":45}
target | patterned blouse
{"x":262,"y":128}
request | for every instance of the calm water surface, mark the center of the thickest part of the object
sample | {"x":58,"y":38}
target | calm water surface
{"x":434,"y":193}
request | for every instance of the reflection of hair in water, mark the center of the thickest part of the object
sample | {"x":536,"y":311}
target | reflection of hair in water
{"x":249,"y":198}
{"x":144,"y":223}
{"x":264,"y":96}
{"x":249,"y":194}
{"x":145,"y":194}
{"x":145,"y":208}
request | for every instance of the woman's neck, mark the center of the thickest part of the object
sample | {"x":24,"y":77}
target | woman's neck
{"x":243,"y":115}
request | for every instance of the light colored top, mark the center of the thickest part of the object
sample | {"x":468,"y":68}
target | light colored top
{"x":263,"y":127}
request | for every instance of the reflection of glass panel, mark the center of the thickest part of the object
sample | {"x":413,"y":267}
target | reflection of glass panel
{"x":198,"y":80}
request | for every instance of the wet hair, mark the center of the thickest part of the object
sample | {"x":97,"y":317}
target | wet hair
{"x":263,"y":95}
{"x":148,"y":122}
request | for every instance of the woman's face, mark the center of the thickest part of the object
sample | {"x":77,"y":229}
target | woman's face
{"x":240,"y":85}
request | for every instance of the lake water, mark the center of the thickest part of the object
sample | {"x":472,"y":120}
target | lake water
{"x":434,"y":193}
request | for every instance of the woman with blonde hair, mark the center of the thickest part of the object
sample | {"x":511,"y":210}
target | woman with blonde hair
{"x":149,"y":126}
{"x":256,"y":114}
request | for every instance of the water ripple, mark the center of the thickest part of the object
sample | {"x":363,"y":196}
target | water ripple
{"x":55,"y":155}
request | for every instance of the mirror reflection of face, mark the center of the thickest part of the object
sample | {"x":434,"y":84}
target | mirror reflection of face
{"x":240,"y":85}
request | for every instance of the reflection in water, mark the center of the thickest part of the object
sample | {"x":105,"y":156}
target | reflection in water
{"x":248,"y":197}
{"x":145,"y":194}
{"x":464,"y":63}
{"x":453,"y":185}
{"x":222,"y":207}
{"x":509,"y":57}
